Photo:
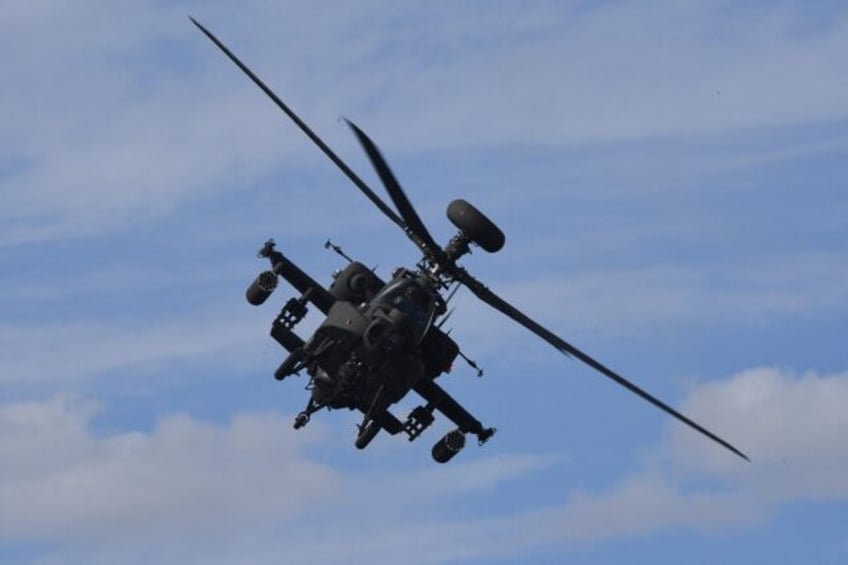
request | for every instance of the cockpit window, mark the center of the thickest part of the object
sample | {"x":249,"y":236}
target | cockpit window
{"x":411,"y":298}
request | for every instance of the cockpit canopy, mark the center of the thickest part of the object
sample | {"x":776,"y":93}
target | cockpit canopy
{"x":414,"y":299}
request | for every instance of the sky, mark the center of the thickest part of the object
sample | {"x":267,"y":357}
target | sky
{"x":673,"y":184}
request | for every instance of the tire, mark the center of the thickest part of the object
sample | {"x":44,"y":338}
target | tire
{"x":475,"y":225}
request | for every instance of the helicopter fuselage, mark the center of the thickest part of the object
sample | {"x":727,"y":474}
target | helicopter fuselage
{"x":377,"y":343}
{"x":379,"y":340}
{"x":372,"y":349}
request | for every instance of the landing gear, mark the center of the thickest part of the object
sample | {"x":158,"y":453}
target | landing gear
{"x":369,"y":426}
{"x":303,"y":418}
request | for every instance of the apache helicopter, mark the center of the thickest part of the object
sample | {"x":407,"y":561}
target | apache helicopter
{"x":380,"y":340}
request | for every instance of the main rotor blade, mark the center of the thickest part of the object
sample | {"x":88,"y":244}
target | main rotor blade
{"x":396,"y":193}
{"x":413,"y":226}
{"x":360,"y":184}
{"x":414,"y":222}
{"x":490,"y":298}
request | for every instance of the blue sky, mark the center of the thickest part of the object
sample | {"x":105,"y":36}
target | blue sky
{"x":671,"y":178}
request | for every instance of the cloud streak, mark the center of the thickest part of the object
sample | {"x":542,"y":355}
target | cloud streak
{"x":69,"y":485}
{"x":650,"y":298}
{"x":130,"y":141}
{"x":661,"y":171}
{"x":251,"y":488}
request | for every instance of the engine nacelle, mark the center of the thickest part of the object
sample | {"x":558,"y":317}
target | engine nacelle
{"x":451,"y":444}
{"x":356,"y":283}
{"x":261,"y":288}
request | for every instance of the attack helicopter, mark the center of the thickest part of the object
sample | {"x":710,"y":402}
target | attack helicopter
{"x":381,"y":340}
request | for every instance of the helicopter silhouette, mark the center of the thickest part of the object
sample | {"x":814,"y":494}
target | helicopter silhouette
{"x":381,"y":340}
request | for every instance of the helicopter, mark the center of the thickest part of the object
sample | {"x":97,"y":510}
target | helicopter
{"x":381,"y":340}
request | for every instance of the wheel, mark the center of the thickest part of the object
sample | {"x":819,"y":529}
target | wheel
{"x":367,"y":434}
{"x":301,"y":420}
{"x":475,"y":225}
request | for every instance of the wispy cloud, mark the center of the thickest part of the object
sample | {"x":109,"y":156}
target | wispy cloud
{"x":646,"y":299}
{"x":149,"y":115}
{"x":55,"y":353}
{"x":191,"y":489}
{"x":251,"y":489}
{"x":71,"y":486}
{"x":596,"y":134}
{"x":790,"y":426}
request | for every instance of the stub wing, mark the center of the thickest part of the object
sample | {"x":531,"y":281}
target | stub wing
{"x":445,"y":403}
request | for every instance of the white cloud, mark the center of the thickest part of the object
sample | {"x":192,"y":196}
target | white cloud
{"x":641,"y":505}
{"x":249,"y":489}
{"x":59,"y":352}
{"x":791,"y":425}
{"x":112,"y":124}
{"x":642,"y":300}
{"x":193,"y":490}
{"x":120,"y":115}
{"x":549,"y":74}
{"x":61,"y":482}
{"x":792,"y":428}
